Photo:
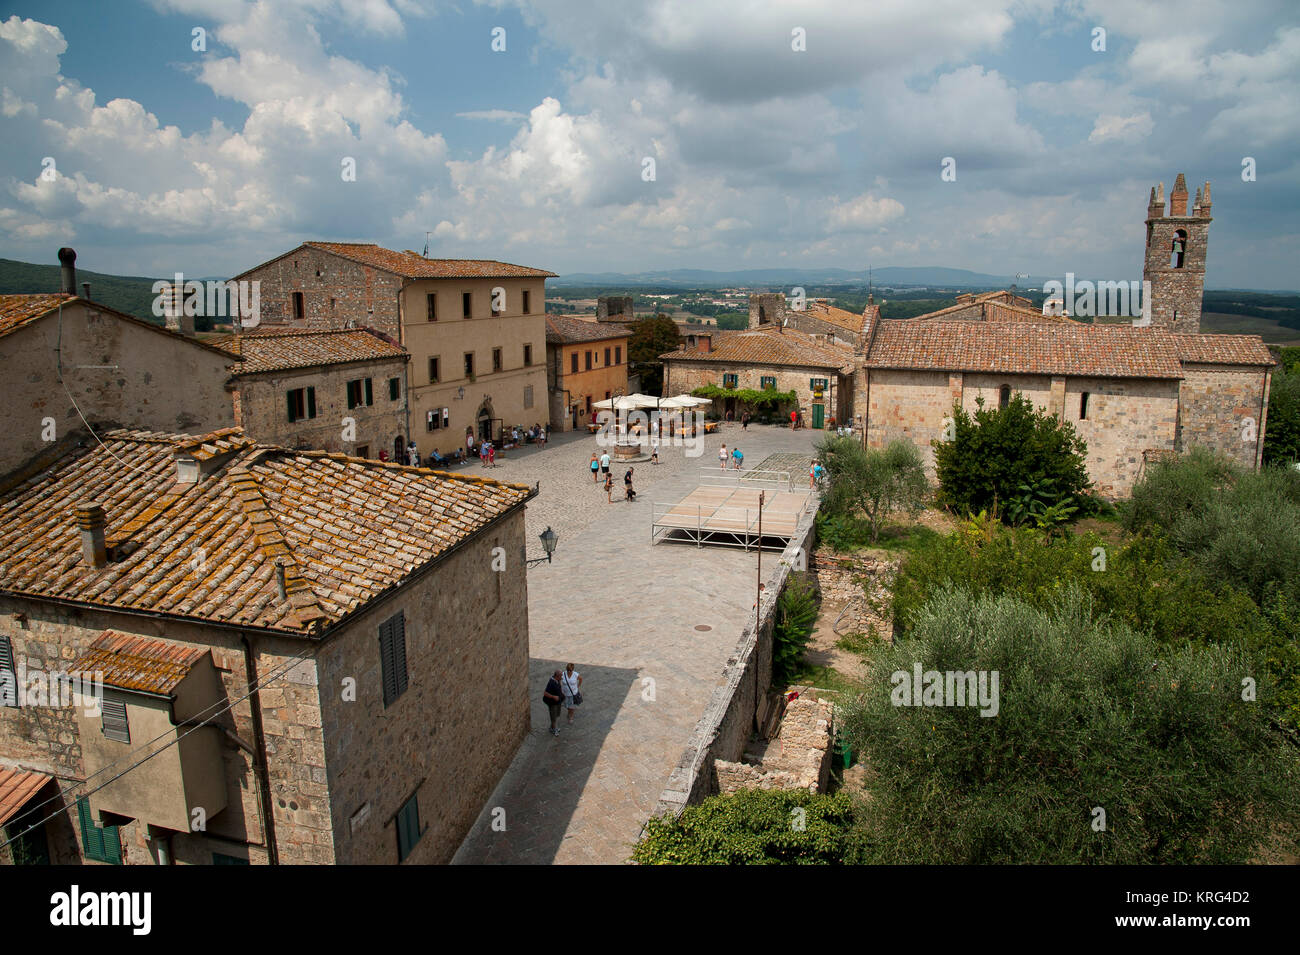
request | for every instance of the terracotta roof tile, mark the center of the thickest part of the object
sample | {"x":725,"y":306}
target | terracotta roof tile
{"x":1223,"y":350}
{"x":770,"y":345}
{"x":17,"y":310}
{"x":572,"y":331}
{"x":307,"y":349}
{"x":412,"y":266}
{"x":346,"y":529}
{"x":131,"y":662}
{"x":17,"y":787}
{"x":1032,"y":348}
{"x":849,"y":321}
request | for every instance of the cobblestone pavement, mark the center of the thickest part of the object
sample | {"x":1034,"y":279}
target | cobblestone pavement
{"x":649,"y":627}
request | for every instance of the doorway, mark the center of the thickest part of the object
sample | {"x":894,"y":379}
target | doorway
{"x":819,"y":416}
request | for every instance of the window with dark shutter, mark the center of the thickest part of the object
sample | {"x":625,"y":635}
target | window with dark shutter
{"x":311,"y":402}
{"x":392,"y":657}
{"x":293,"y":405}
{"x":370,"y":392}
{"x":394,"y":389}
{"x":100,"y":843}
{"x":408,"y":827}
{"x":114,"y":720}
{"x":8,"y":674}
{"x":573,"y":363}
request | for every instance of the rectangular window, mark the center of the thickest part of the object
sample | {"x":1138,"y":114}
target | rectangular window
{"x":528,"y":355}
{"x":607,"y":357}
{"x":768,"y":381}
{"x":299,"y":306}
{"x":1083,"y":406}
{"x":588,"y":361}
{"x":528,"y":302}
{"x":467,"y":304}
{"x":618,"y":354}
{"x":432,"y":420}
{"x":496,"y":359}
{"x":729,"y":381}
{"x":394,"y":389}
{"x":360,"y":393}
{"x":392,"y":656}
{"x":113,"y":719}
{"x":220,"y":858}
{"x":431,"y":303}
{"x":433,"y":371}
{"x":8,"y":673}
{"x":469,"y":364}
{"x":100,"y":843}
{"x":408,"y":827}
{"x":573,"y":363}
{"x":302,"y":403}
{"x":528,"y":403}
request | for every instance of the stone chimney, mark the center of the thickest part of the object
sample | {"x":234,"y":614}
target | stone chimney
{"x":68,"y":277}
{"x":90,"y":521}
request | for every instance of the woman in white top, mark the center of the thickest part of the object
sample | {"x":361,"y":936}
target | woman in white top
{"x":722,"y":457}
{"x":571,"y":683}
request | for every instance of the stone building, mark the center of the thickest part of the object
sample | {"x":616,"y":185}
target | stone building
{"x":474,"y":328}
{"x":276,"y":627}
{"x":342,"y":390}
{"x":1133,"y":392}
{"x":585,"y":362}
{"x":65,"y":358}
{"x":817,"y":317}
{"x":816,"y":368}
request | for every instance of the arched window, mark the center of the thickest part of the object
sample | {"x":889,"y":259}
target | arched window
{"x":1004,"y":396}
{"x":1178,"y":249}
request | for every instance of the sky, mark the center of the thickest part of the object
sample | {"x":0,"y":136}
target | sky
{"x":207,"y":136}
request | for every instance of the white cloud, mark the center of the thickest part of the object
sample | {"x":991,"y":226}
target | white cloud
{"x":1109,"y":128}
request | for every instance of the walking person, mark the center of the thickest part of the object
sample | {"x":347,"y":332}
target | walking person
{"x":604,"y":464}
{"x":413,"y":454}
{"x":794,"y":420}
{"x":722,"y":457}
{"x":595,"y":468}
{"x":553,"y":697}
{"x":628,"y":490}
{"x":609,"y":486}
{"x":492,"y":455}
{"x":736,"y":458}
{"x":541,"y":437}
{"x":814,"y":474}
{"x":571,"y":681}
{"x":744,"y":422}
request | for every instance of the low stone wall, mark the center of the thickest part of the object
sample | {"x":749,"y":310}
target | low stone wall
{"x":724,"y":729}
{"x":799,"y":757}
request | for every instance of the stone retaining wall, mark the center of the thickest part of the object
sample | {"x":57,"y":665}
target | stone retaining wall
{"x":724,"y":729}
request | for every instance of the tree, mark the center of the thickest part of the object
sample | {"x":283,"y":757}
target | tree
{"x":796,"y":616}
{"x":651,"y":337}
{"x":1098,"y":745}
{"x":1282,"y":436}
{"x":872,"y":482}
{"x":1022,"y":464}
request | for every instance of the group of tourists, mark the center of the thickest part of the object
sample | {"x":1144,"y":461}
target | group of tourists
{"x":563,"y":691}
{"x":600,"y":465}
{"x":734,"y":459}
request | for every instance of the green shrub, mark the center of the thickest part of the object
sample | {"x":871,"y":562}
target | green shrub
{"x":796,"y":615}
{"x":1016,"y":462}
{"x":1090,"y":715}
{"x":1282,"y":434}
{"x":1171,"y":488}
{"x":756,"y":827}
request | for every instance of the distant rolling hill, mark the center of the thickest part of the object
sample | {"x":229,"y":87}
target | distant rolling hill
{"x":703,"y":278}
{"x":126,"y":293}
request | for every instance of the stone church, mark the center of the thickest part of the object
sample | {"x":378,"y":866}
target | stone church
{"x":1134,"y":392}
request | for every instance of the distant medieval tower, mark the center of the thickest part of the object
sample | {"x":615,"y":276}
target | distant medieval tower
{"x":1175,"y":256}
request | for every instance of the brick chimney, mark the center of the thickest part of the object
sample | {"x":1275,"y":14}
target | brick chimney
{"x":90,"y":521}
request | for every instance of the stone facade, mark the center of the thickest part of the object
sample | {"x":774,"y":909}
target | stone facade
{"x":119,"y":370}
{"x":336,"y":292}
{"x":262,"y":411}
{"x":1225,"y":408}
{"x":798,"y":757}
{"x":836,"y":401}
{"x":615,"y":308}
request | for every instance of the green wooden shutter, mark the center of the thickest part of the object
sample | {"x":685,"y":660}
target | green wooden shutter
{"x":408,"y":827}
{"x":399,"y":650}
{"x":8,"y":674}
{"x":392,"y":653}
{"x":311,"y":402}
{"x":100,"y":843}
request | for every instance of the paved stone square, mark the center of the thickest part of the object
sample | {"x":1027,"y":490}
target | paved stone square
{"x":627,"y":614}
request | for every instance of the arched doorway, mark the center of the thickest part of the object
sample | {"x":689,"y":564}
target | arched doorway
{"x":484,"y":420}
